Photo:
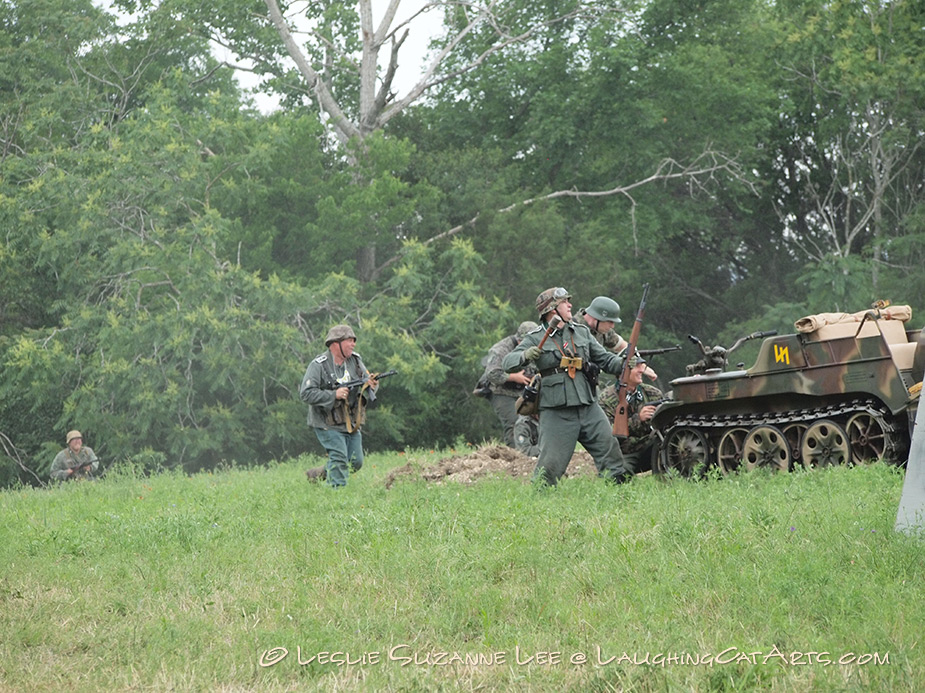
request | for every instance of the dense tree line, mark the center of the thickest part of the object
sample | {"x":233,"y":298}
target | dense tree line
{"x":171,"y":257}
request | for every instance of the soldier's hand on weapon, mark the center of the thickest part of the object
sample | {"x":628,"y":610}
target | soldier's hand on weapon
{"x":342,"y":393}
{"x":532,"y":353}
{"x":647,"y":412}
{"x":519,"y":377}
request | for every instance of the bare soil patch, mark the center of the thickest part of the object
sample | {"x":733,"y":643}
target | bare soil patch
{"x":491,"y":460}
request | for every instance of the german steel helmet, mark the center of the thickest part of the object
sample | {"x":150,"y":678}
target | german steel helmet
{"x":549,"y":299}
{"x":73,"y":434}
{"x":339,"y":333}
{"x":603,"y":308}
{"x":525,"y":327}
{"x":636,"y":360}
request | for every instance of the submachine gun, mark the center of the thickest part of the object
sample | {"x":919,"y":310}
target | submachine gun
{"x":354,"y":398}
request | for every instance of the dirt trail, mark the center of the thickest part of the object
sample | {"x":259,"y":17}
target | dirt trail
{"x":495,"y":460}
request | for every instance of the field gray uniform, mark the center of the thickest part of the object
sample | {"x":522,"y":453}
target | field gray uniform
{"x":568,"y":409}
{"x":325,"y":413}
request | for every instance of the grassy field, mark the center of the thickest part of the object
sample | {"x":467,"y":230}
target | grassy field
{"x":255,"y":580}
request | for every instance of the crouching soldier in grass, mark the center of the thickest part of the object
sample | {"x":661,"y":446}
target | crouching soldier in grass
{"x":76,"y":461}
{"x":335,"y":412}
{"x":641,"y":403}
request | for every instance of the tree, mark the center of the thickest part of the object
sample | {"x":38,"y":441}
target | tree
{"x":851,"y":173}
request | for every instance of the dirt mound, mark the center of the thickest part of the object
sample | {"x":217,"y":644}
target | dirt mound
{"x":495,"y":460}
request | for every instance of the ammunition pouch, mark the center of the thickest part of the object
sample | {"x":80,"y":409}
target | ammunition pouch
{"x":529,"y":402}
{"x":345,"y":415}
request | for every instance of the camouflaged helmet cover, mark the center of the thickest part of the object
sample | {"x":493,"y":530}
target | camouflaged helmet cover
{"x":525,"y":327}
{"x":550,"y":298}
{"x":339,"y":333}
{"x":605,"y":309}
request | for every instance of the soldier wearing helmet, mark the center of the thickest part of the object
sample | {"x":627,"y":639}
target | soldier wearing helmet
{"x":601,"y":316}
{"x":639,"y":445}
{"x":503,"y":388}
{"x":568,"y":408}
{"x":336,"y":413}
{"x":76,"y":461}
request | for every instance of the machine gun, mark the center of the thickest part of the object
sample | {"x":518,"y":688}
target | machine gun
{"x":646,"y":353}
{"x":716,"y":357}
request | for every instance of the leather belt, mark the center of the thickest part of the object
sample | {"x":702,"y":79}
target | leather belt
{"x":553,"y":371}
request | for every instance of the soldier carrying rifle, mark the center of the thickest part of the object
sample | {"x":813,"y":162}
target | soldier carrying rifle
{"x":76,"y":461}
{"x":338,"y":387}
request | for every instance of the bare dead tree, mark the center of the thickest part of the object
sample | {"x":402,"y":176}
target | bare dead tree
{"x":14,"y":453}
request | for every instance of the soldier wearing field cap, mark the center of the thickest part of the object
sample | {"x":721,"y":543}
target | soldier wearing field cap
{"x":76,"y":461}
{"x":568,"y":409}
{"x":335,"y":413}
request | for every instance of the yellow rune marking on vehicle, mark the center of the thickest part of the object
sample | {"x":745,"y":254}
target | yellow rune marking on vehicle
{"x":782,"y":355}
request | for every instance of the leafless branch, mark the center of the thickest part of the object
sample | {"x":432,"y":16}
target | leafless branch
{"x":11,"y":451}
{"x":705,"y":167}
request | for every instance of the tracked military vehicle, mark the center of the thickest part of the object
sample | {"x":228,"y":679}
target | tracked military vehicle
{"x":843,"y":389}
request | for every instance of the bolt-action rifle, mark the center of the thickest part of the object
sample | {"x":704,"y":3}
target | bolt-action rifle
{"x":621,"y":417}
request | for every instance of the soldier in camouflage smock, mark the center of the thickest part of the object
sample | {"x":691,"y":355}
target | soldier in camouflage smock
{"x":639,"y":446}
{"x":505,"y":388}
{"x":76,"y":461}
{"x":567,"y":362}
{"x":527,"y":435}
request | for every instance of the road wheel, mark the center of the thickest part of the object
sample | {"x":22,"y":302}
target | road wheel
{"x":825,"y":444}
{"x":766,"y":447}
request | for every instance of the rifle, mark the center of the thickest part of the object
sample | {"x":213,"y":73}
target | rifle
{"x":621,"y":416}
{"x":351,"y":385}
{"x":645,"y":353}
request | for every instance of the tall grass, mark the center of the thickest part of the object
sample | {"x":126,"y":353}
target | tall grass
{"x":259,"y":581}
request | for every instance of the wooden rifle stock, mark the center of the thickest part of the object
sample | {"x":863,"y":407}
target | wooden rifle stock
{"x":621,"y":417}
